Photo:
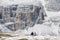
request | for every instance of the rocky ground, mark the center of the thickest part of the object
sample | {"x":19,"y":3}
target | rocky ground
{"x":31,"y":38}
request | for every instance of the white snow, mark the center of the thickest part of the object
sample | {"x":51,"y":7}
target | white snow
{"x":43,"y":30}
{"x":10,"y":2}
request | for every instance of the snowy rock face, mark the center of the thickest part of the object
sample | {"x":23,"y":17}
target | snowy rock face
{"x":30,"y":11}
{"x":51,"y":27}
{"x":52,"y":5}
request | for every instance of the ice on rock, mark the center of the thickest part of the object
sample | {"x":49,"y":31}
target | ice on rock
{"x":5,"y":29}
